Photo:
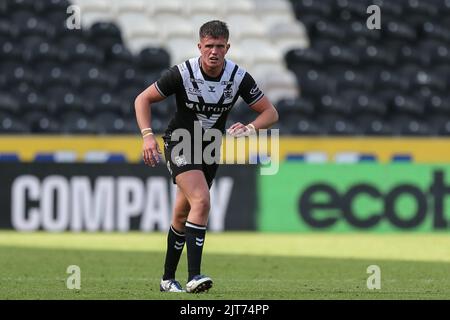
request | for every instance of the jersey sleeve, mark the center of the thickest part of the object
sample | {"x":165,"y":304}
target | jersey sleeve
{"x":170,"y":82}
{"x":249,"y":90}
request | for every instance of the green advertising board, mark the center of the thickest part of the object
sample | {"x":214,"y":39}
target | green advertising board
{"x":355,"y":197}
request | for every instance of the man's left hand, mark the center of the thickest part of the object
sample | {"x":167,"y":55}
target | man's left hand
{"x":239,"y":130}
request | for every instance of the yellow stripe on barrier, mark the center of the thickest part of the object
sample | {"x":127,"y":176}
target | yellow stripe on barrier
{"x":422,"y":150}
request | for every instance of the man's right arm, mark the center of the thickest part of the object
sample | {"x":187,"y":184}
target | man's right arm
{"x":165,"y":86}
{"x":142,"y":106}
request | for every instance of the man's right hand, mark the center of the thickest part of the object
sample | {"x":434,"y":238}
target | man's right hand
{"x":150,"y":151}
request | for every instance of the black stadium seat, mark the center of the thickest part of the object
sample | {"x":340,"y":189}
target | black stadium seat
{"x":108,"y":123}
{"x":316,"y":83}
{"x":118,"y":58}
{"x":8,"y":103}
{"x":361,"y":102}
{"x":352,"y":80}
{"x":7,"y":29}
{"x":77,"y":122}
{"x":105,"y":35}
{"x":11,"y":124}
{"x":406,"y":104}
{"x":33,"y":101}
{"x":389,"y":79}
{"x":334,"y":124}
{"x":43,"y":53}
{"x":329,"y":30}
{"x":19,"y":5}
{"x":10,"y":53}
{"x":61,"y":80}
{"x":16,"y":73}
{"x":393,"y":8}
{"x":42,"y":122}
{"x":373,"y":125}
{"x":153,"y":59}
{"x":289,"y":107}
{"x":439,"y":125}
{"x":321,"y":8}
{"x":392,"y":79}
{"x":55,"y":75}
{"x":408,"y":125}
{"x":95,"y":78}
{"x":104,"y":102}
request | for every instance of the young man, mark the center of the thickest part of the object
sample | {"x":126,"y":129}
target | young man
{"x":206,"y":88}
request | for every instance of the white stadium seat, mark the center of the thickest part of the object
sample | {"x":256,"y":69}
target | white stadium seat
{"x":245,"y":26}
{"x":237,"y":7}
{"x":285,"y":44}
{"x":272,"y":6}
{"x":138,"y":30}
{"x":174,"y":26}
{"x":181,"y":49}
{"x":166,"y":6}
{"x":276,"y":82}
{"x":140,"y":42}
{"x":198,"y":19}
{"x":91,"y":17}
{"x":210,"y":7}
{"x":272,"y":18}
{"x":261,"y":51}
{"x":121,"y":6}
{"x":237,"y":56}
{"x":94,"y":11}
{"x":96,"y":5}
{"x":137,"y":24}
{"x":288,"y":36}
{"x":261,"y":31}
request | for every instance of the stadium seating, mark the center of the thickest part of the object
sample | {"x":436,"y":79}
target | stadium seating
{"x":376,"y":82}
{"x":325,"y":71}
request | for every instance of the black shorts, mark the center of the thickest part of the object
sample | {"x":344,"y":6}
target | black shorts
{"x":180,"y":164}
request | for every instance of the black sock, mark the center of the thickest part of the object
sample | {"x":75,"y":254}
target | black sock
{"x":195,"y":237}
{"x":175,"y":244}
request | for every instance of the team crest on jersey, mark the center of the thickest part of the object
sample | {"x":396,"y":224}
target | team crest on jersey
{"x":228,"y":93}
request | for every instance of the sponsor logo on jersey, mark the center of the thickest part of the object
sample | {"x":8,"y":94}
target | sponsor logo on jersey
{"x":254,"y":91}
{"x":194,"y":91}
{"x":226,"y":83}
{"x":197,"y":80}
{"x":208,"y":108}
{"x":211,"y":89}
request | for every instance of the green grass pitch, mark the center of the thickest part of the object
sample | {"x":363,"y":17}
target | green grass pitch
{"x":252,"y":266}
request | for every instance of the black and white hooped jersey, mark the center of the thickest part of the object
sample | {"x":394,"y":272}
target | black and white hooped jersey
{"x":205,"y":99}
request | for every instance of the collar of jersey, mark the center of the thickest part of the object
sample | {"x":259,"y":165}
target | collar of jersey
{"x":208,"y":78}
